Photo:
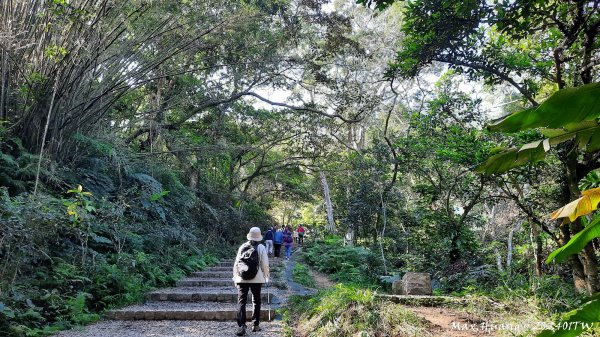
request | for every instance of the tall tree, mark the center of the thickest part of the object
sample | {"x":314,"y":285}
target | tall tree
{"x":534,"y":46}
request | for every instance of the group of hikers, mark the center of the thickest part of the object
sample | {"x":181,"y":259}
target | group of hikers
{"x":251,"y":267}
{"x":275,"y":238}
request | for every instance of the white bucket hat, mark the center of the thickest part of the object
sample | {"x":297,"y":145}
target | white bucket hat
{"x":254,"y":234}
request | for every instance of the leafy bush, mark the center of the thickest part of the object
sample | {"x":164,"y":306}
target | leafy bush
{"x":66,"y":260}
{"x":348,"y":264}
{"x":302,"y":275}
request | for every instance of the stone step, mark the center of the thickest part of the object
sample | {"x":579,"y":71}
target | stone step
{"x":219,"y":269}
{"x":204,"y":282}
{"x":204,"y":294}
{"x":230,"y":266}
{"x":200,"y":311}
{"x":276,"y":265}
{"x":229,"y":263}
{"x":213,"y":274}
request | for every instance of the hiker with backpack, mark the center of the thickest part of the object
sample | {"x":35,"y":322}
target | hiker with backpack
{"x":288,"y":242}
{"x":269,"y":241}
{"x":277,"y":242}
{"x":300,"y":231}
{"x":250,"y":272}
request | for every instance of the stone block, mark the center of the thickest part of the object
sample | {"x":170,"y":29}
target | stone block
{"x":160,"y":315}
{"x":413,"y":284}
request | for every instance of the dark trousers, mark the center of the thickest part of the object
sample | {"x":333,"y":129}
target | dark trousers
{"x":277,"y":249}
{"x":243,"y":299}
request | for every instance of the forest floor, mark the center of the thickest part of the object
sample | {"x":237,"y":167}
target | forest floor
{"x":451,"y":323}
{"x":443,"y":322}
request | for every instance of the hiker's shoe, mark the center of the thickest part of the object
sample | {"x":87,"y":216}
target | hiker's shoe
{"x":256,"y":328}
{"x":241,"y":330}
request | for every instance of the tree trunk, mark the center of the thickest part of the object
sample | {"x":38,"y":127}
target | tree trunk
{"x":328,"y":205}
{"x":384,"y":213}
{"x":509,"y":253}
{"x":498,"y":260}
{"x":536,"y":243}
{"x":585,"y":265}
{"x":4,"y":87}
{"x":589,"y":262}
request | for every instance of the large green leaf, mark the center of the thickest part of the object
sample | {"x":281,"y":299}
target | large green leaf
{"x":577,"y":242}
{"x":586,"y":135}
{"x":511,"y":158}
{"x":564,"y":107}
{"x":575,"y":322}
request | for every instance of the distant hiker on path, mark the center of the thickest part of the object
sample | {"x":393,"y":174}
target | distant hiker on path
{"x":250,"y":272}
{"x":288,"y":242}
{"x":295,"y":236}
{"x":269,"y":241}
{"x":300,"y":231}
{"x":278,"y":241}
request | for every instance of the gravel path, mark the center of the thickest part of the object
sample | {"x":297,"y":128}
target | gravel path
{"x":170,"y":329}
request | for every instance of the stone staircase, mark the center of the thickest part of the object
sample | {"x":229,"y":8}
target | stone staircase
{"x":206,"y":296}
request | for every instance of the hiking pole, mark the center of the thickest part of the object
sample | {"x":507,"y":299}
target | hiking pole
{"x":269,"y":301}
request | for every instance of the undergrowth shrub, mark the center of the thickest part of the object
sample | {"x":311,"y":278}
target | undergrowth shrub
{"x":302,"y":275}
{"x":352,"y":311}
{"x":348,"y":264}
{"x":63,"y":261}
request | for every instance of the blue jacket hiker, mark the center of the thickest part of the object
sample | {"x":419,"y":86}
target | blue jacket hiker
{"x":277,"y":242}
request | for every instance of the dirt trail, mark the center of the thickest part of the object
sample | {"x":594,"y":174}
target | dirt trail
{"x":450,"y":323}
{"x":321,"y":280}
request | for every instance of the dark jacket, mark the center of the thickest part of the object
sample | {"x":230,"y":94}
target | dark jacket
{"x":287,"y":238}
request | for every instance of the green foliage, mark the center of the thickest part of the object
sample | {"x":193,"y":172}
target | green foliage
{"x":17,"y":167}
{"x":547,"y":295}
{"x":591,"y":180}
{"x":79,"y":206}
{"x":433,"y":28}
{"x":352,"y":265}
{"x":302,"y":275}
{"x":581,"y":103}
{"x":79,"y":312}
{"x":67,"y":294}
{"x":575,"y":322}
{"x":577,"y":242}
{"x":93,"y":146}
{"x":158,"y":196}
{"x":558,"y":127}
{"x":42,"y":239}
{"x":351,"y":311}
